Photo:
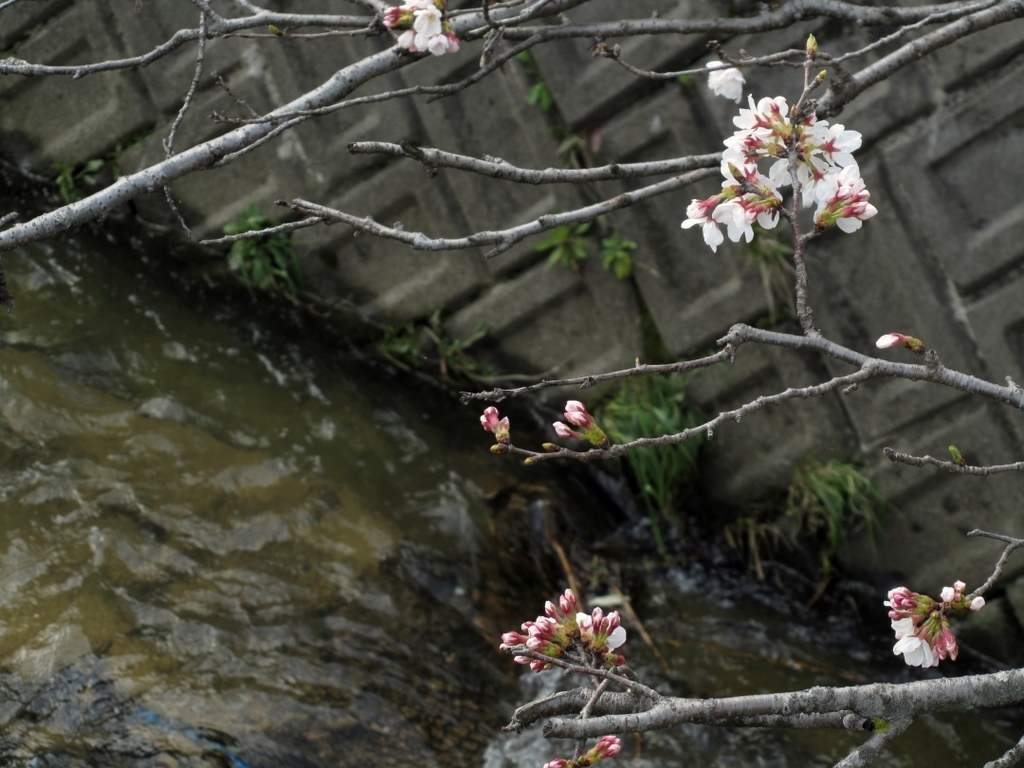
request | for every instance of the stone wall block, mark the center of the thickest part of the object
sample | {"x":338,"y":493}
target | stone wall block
{"x":391,"y":279}
{"x":495,"y":119}
{"x":872,"y":282}
{"x":929,"y":505}
{"x":998,"y":324}
{"x":20,"y":20}
{"x":754,"y":460}
{"x":956,"y":174}
{"x":512,"y":303}
{"x":589,"y":327}
{"x":587,"y":88}
{"x":966,"y":59}
{"x":693,"y":295}
{"x":57,"y":119}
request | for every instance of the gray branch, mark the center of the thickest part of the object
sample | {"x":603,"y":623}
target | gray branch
{"x":845,"y":89}
{"x":790,"y":13}
{"x":196,"y":158}
{"x":222,"y":28}
{"x":889,"y":701}
{"x":499,"y":169}
{"x":502,"y":239}
{"x":872,"y":749}
{"x":950,"y":466}
{"x":1009,"y":758}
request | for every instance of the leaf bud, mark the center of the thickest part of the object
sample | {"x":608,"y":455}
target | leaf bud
{"x":958,"y":458}
{"x":812,"y":46}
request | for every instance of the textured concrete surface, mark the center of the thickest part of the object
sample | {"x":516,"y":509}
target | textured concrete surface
{"x":943,"y":260}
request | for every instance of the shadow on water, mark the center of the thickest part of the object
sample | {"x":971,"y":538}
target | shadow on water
{"x":227,"y":542}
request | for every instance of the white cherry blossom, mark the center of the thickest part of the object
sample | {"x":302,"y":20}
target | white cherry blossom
{"x":727,"y":83}
{"x":428,"y":21}
{"x":916,"y":652}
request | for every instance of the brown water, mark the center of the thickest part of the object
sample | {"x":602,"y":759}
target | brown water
{"x":227,"y":542}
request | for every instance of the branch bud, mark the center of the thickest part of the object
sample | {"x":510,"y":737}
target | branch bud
{"x":812,"y":47}
{"x":958,"y":458}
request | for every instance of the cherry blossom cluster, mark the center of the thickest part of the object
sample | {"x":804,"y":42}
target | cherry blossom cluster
{"x":564,"y":629}
{"x":577,"y":415}
{"x":430,"y":32}
{"x":921,"y":624}
{"x":818,"y":154}
{"x":607,"y":746}
{"x":498,"y":427}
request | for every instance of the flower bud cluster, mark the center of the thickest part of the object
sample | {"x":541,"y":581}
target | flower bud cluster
{"x":921,"y":624}
{"x":577,"y":415}
{"x":430,"y":32}
{"x":821,"y":155}
{"x":498,"y":427}
{"x":607,"y":746}
{"x":565,"y":629}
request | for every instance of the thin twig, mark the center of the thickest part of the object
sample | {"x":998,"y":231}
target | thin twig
{"x":169,"y":142}
{"x":502,"y":239}
{"x":289,"y":227}
{"x":1010,"y":758}
{"x":949,"y":466}
{"x":866,"y":754}
{"x":499,"y":169}
{"x":615,"y":54}
{"x":630,"y":685}
{"x":1011,"y":545}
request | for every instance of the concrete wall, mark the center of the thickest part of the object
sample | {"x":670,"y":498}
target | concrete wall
{"x":944,"y":259}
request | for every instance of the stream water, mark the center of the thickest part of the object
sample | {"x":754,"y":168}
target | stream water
{"x":227,"y":542}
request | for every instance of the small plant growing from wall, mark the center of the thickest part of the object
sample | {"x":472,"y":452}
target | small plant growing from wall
{"x":266,"y":263}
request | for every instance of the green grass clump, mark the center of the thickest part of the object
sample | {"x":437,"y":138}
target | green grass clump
{"x":268,"y":263}
{"x":828,"y":501}
{"x":652,"y":407}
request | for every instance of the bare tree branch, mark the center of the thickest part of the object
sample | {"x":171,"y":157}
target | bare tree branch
{"x":872,"y":749}
{"x":1011,"y":545}
{"x":199,"y":157}
{"x":1010,"y":758}
{"x":505,"y":238}
{"x":889,"y":701}
{"x":790,"y":13}
{"x":842,"y":91}
{"x":585,"y":382}
{"x":949,"y":466}
{"x":280,"y":228}
{"x":499,"y":169}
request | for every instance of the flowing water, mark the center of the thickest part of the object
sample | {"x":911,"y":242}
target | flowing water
{"x":228,"y":542}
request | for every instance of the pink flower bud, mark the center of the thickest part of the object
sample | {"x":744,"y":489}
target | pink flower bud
{"x":557,"y":763}
{"x":565,"y":433}
{"x":959,"y":586}
{"x":977,"y":603}
{"x":890,"y":340}
{"x":452,"y":41}
{"x":948,"y":594}
{"x":499,"y":427}
{"x":899,"y":339}
{"x":567,"y":602}
{"x":392,"y":15}
{"x":489,"y":419}
{"x":902,"y":601}
{"x":607,"y":746}
{"x":513,"y":638}
{"x":576,"y":414}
